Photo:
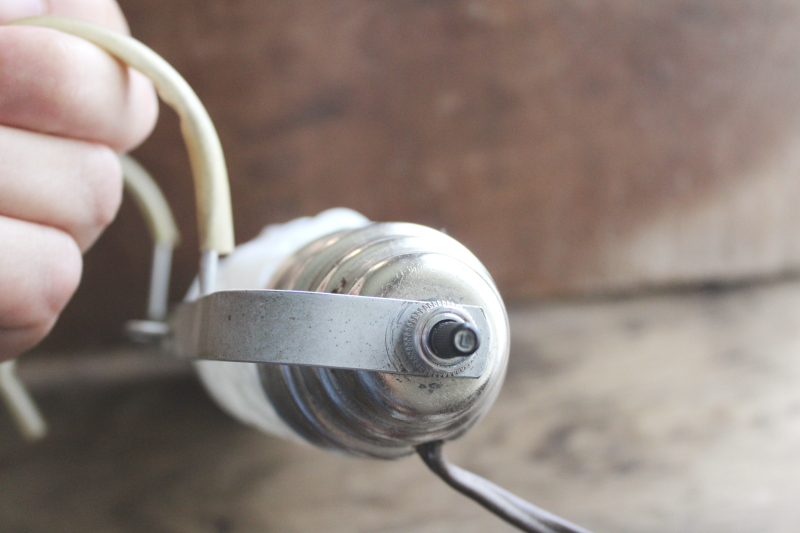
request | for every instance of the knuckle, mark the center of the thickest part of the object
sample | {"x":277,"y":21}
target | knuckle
{"x":127,"y":96}
{"x":58,"y":78}
{"x":61,"y":274}
{"x":40,"y":275}
{"x":142,"y":111}
{"x":15,"y":341}
{"x":60,"y":84}
{"x":103,"y":187}
{"x":65,"y":81}
{"x":38,"y":74}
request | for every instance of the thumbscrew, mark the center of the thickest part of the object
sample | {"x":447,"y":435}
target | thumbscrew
{"x":450,"y":339}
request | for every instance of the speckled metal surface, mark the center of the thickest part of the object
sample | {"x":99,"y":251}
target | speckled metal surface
{"x":376,"y":414}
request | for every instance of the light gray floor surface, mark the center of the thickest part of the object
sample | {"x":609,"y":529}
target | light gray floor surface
{"x":662,"y":413}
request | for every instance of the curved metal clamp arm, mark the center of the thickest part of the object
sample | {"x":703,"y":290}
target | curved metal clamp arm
{"x":334,"y":331}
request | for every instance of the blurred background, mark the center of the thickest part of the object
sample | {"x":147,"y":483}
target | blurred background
{"x":577,"y":147}
{"x":629,"y":172}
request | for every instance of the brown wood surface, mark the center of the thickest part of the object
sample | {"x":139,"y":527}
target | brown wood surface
{"x":575,"y":146}
{"x":667,"y":414}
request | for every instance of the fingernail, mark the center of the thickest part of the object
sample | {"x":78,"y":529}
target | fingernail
{"x":17,"y":9}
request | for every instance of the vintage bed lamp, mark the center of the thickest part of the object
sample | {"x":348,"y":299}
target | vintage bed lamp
{"x":371,"y":339}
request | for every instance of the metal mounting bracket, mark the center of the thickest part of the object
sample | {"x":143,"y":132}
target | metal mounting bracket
{"x":322,"y":329}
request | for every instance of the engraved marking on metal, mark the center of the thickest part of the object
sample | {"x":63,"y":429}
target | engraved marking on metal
{"x":465,"y":341}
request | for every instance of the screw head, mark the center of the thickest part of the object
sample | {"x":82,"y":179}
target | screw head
{"x":450,"y":339}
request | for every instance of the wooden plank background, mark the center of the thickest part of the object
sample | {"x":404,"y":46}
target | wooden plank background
{"x":576,"y":146}
{"x":663,"y":414}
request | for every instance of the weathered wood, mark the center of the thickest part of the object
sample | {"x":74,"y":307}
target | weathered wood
{"x":574,"y":146}
{"x":650,"y":415}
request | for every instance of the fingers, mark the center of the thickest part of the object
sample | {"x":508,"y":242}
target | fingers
{"x":17,"y":9}
{"x":103,"y":12}
{"x":41,"y":268}
{"x":48,"y":80}
{"x":65,"y":107}
{"x":59,"y":84}
{"x":71,"y":185}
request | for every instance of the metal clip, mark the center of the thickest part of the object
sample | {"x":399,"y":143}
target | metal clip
{"x":326,"y":330}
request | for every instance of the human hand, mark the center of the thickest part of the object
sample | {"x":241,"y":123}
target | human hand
{"x":66,"y":109}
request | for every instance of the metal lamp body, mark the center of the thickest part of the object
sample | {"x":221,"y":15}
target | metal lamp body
{"x":362,"y":413}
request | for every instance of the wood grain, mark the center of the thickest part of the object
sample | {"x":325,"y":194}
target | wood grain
{"x":645,"y":415}
{"x":576,"y":146}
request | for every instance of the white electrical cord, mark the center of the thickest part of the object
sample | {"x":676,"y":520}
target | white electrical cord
{"x":147,"y":195}
{"x":164,"y":231}
{"x":20,"y":404}
{"x":215,"y":219}
{"x":212,"y":191}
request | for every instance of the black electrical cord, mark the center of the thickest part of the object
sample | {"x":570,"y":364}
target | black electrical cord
{"x":499,"y":501}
